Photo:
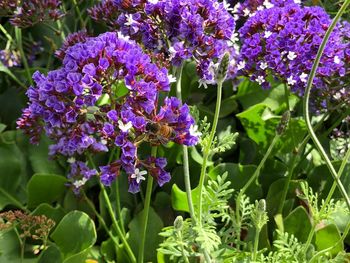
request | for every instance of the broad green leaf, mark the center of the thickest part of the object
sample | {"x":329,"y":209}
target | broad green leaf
{"x":179,"y":198}
{"x":2,"y":127}
{"x":39,"y":158}
{"x":12,"y":170}
{"x":274,"y":197}
{"x":74,"y":234}
{"x":9,"y":247}
{"x":298,"y":223}
{"x":327,"y":237}
{"x":154,"y":227}
{"x":51,"y":254}
{"x":108,"y":250}
{"x":45,"y":188}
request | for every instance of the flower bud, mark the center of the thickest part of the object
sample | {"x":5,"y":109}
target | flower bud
{"x":282,"y":126}
{"x":223,"y":67}
{"x":178,"y":223}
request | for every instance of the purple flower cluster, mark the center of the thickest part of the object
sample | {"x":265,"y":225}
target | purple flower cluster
{"x":248,"y":8}
{"x":104,"y":96}
{"x":202,"y":30}
{"x":10,"y":58}
{"x":283,"y":41}
{"x":7,"y":7}
{"x":30,"y":12}
{"x":76,"y":37}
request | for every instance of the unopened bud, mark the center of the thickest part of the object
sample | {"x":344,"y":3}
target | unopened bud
{"x":223,"y":68}
{"x":262,"y":205}
{"x":178,"y":223}
{"x":282,"y":126}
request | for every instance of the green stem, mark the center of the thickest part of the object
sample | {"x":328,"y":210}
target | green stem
{"x":60,"y":29}
{"x":114,"y":220}
{"x":254,"y":176}
{"x":13,"y":200}
{"x":101,"y":220}
{"x":207,"y":150}
{"x":185,"y":152}
{"x":18,"y":33}
{"x":4,"y":31}
{"x":309,"y":238}
{"x":256,"y":244}
{"x":82,"y":23}
{"x":307,"y":98}
{"x":146,"y":212}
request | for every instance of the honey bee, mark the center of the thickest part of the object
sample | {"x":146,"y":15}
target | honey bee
{"x":159,"y":133}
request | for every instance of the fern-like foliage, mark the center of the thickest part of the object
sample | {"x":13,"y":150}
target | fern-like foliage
{"x":227,"y":141}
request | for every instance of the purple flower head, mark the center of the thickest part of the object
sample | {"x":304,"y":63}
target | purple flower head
{"x":284,"y":41}
{"x":202,"y":30}
{"x":71,"y":39}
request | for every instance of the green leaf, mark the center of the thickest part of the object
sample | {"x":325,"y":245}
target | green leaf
{"x":298,"y":223}
{"x":328,"y":237}
{"x":45,"y":188}
{"x":179,"y":198}
{"x":51,"y":254}
{"x":154,"y":227}
{"x":12,"y":165}
{"x":4,"y":69}
{"x":9,"y":247}
{"x":38,"y":156}
{"x":75,"y":234}
{"x":2,"y":127}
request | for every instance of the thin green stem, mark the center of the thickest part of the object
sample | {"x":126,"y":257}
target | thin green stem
{"x":82,"y":23}
{"x":8,"y":36}
{"x":256,"y":244}
{"x":207,"y":149}
{"x":18,"y":33}
{"x":60,"y":29}
{"x":185,"y":152}
{"x":309,"y":238}
{"x":307,"y":98}
{"x":13,"y":200}
{"x":254,"y":176}
{"x":112,"y":215}
{"x":146,"y":211}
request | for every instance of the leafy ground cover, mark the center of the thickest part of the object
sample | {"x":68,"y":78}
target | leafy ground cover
{"x":174,"y":131}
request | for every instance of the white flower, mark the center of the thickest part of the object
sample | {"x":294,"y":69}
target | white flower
{"x":246,"y":12}
{"x":336,"y":60}
{"x":291,"y":81}
{"x":233,"y":39}
{"x":241,"y":65}
{"x":80,"y":183}
{"x":121,"y":36}
{"x":260,"y":79}
{"x":203,"y":82}
{"x":130,"y":20}
{"x":268,"y":4}
{"x":227,"y":6}
{"x":236,"y":7}
{"x":71,"y":160}
{"x":337,"y":96}
{"x":153,"y":1}
{"x":263,"y":65}
{"x":138,"y":175}
{"x":171,"y":78}
{"x":194,"y":131}
{"x":298,"y":2}
{"x":172,"y":52}
{"x":267,"y":34}
{"x":303,"y":77}
{"x":124,"y":127}
{"x":260,"y":8}
{"x":291,"y":55}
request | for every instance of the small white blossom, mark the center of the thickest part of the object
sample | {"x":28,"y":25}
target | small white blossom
{"x":291,"y":55}
{"x":260,"y":79}
{"x":104,"y":142}
{"x":153,"y":1}
{"x":291,"y":81}
{"x":268,"y":4}
{"x":138,"y":175}
{"x":124,"y":127}
{"x":337,"y":60}
{"x":303,"y":77}
{"x":130,"y":20}
{"x":263,"y":65}
{"x":194,"y":131}
{"x":260,"y":8}
{"x":298,"y":2}
{"x":241,"y":65}
{"x":80,"y":183}
{"x":227,"y":6}
{"x":121,"y":36}
{"x":71,"y":160}
{"x":246,"y":12}
{"x":337,"y":96}
{"x":267,"y":34}
{"x":171,"y":78}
